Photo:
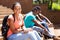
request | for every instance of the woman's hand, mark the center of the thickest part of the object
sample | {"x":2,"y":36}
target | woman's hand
{"x":50,"y":24}
{"x":27,"y":30}
{"x":20,"y":30}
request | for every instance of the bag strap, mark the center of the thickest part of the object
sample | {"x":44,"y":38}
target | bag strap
{"x":13,"y":16}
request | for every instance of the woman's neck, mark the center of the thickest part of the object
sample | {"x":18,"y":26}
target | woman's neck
{"x":16,"y":16}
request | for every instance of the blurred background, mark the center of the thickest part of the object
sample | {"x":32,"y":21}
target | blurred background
{"x":50,"y":8}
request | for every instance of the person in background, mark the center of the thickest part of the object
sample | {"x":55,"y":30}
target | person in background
{"x":17,"y":31}
{"x":43,"y":19}
{"x":30,"y":21}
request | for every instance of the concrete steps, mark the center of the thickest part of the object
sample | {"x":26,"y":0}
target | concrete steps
{"x":2,"y":7}
{"x":0,"y":27}
{"x":2,"y":16}
{"x":57,"y":32}
{"x":3,"y":12}
{"x":1,"y":38}
{"x":1,"y":21}
{"x":7,"y":11}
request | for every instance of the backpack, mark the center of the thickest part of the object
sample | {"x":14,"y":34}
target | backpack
{"x":4,"y":27}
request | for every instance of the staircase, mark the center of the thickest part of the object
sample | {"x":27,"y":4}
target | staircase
{"x":3,"y":12}
{"x":7,"y":11}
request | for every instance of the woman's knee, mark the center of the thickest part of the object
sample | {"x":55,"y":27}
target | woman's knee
{"x":30,"y":33}
{"x":14,"y":36}
{"x":35,"y":31}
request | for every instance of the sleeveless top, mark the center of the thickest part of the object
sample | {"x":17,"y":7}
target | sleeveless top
{"x":17,"y":24}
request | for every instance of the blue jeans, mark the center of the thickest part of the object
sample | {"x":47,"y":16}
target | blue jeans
{"x":38,"y":29}
{"x":33,"y":35}
{"x":44,"y":24}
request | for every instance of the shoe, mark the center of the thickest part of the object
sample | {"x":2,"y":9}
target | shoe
{"x":50,"y":36}
{"x":56,"y":38}
{"x":47,"y":37}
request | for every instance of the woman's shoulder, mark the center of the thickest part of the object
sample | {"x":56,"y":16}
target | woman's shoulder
{"x":10,"y":17}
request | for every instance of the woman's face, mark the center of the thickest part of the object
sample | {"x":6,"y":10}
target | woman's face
{"x":17,"y":9}
{"x":38,"y":12}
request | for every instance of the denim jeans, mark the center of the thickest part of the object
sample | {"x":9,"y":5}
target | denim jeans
{"x":38,"y":29}
{"x":33,"y":35}
{"x":44,"y":24}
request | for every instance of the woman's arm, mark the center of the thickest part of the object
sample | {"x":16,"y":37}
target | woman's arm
{"x":39,"y":25}
{"x":38,"y":18}
{"x":11,"y":25}
{"x":45,"y":18}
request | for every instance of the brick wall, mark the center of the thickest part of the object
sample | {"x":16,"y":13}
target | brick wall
{"x":27,"y":5}
{"x":54,"y":16}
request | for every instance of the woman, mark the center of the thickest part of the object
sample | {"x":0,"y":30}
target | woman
{"x":43,"y":19}
{"x":17,"y":31}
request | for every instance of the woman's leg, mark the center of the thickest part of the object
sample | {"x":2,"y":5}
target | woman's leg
{"x":45,"y":25}
{"x":33,"y":35}
{"x":18,"y":36}
{"x":22,"y":36}
{"x":38,"y":29}
{"x":37,"y":35}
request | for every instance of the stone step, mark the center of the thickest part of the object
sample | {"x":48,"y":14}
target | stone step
{"x":2,"y":7}
{"x":3,"y":10}
{"x":1,"y":38}
{"x":57,"y":26}
{"x":1,"y":21}
{"x":0,"y":33}
{"x":42,"y":38}
{"x":57,"y":32}
{"x":51,"y":30}
{"x":5,"y":13}
{"x":2,"y":16}
{"x":0,"y":27}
